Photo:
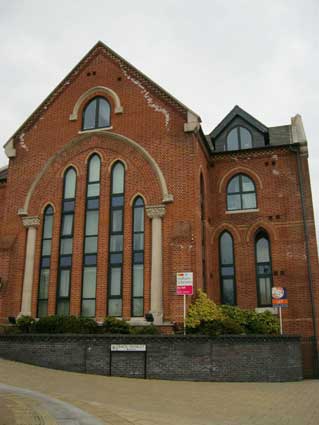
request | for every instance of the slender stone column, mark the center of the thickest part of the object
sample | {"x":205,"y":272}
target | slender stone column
{"x":31,"y":223}
{"x":156,"y":212}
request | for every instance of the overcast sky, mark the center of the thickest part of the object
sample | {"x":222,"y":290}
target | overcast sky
{"x":211,"y":55}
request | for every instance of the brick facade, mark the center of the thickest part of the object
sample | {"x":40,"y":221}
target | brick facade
{"x":154,"y":122}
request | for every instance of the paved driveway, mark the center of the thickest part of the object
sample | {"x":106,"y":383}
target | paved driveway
{"x":121,"y":401}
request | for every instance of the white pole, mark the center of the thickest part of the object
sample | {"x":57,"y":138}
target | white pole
{"x":280,"y":318}
{"x":184,"y":314}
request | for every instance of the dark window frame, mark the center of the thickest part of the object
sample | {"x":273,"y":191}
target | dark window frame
{"x":241,"y":192}
{"x":203,"y":230}
{"x":112,"y":265}
{"x":87,"y":209}
{"x":45,"y":214}
{"x":240,"y":148}
{"x":69,"y":236}
{"x":221,"y":266}
{"x":97,"y":110}
{"x":260,"y":234}
{"x":139,"y":251}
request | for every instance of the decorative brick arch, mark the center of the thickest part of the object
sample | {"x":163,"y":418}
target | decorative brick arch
{"x":221,"y":228}
{"x":261,"y":225}
{"x":100,"y":89}
{"x":166,"y":196}
{"x":239,"y":170}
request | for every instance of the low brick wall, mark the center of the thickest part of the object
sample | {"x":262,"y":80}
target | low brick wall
{"x":227,"y":358}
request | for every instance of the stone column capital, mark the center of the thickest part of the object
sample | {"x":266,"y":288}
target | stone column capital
{"x":31,"y":221}
{"x":155,"y":211}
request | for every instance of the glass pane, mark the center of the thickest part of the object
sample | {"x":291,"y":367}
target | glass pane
{"x":248,"y":184}
{"x":245,"y":138}
{"x":233,"y":185}
{"x":139,"y":202}
{"x":93,"y":204}
{"x":68,"y":206}
{"x":63,"y":307}
{"x":116,"y":258}
{"x":138,"y":307}
{"x":228,"y":291}
{"x":49,"y":210}
{"x":138,"y":280}
{"x":249,"y":201}
{"x":45,"y":262}
{"x":93,"y":189}
{"x":232,"y":140}
{"x":227,"y":271}
{"x":118,"y":178}
{"x":116,"y":243}
{"x":104,"y":113}
{"x":90,"y":260}
{"x":262,"y":249}
{"x":233,"y":202}
{"x":138,"y":242}
{"x":89,"y":282}
{"x":70,"y":183}
{"x":47,"y":230}
{"x":89,"y":115}
{"x":226,"y":248}
{"x":44,"y":283}
{"x":67,"y":226}
{"x":90,"y":244}
{"x":264,"y":286}
{"x":94,"y":169}
{"x":66,"y":246}
{"x":117,"y":201}
{"x":138,"y":257}
{"x":46,"y":247}
{"x":115,"y":308}
{"x":115,"y":281}
{"x":117,"y":217}
{"x":43,"y":308}
{"x":88,"y":308}
{"x":66,"y":261}
{"x":138,"y":219}
{"x":64,"y":283}
{"x":92,"y":223}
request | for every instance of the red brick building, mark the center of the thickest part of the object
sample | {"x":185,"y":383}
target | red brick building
{"x":112,"y":188}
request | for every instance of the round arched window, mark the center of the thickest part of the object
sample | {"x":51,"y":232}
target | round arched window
{"x":241,"y":193}
{"x":96,"y":114}
{"x":239,"y":138}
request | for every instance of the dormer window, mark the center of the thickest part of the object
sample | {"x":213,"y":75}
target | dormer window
{"x":96,"y":114}
{"x":239,"y":138}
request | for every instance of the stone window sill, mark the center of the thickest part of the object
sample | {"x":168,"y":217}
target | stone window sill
{"x":243,"y":211}
{"x":93,"y":130}
{"x":272,"y":310}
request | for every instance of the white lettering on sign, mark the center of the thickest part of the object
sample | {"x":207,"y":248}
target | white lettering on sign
{"x":128,"y":347}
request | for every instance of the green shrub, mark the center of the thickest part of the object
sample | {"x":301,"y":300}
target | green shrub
{"x":263,"y":323}
{"x":144,"y":330}
{"x":25,"y":323}
{"x":202,"y":309}
{"x":115,"y":326}
{"x":65,"y":324}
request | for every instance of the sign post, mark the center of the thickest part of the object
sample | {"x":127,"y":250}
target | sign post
{"x":279,"y":300}
{"x":184,"y":286}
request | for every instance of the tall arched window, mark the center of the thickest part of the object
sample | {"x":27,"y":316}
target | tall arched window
{"x":203,"y":229}
{"x":138,"y":258}
{"x":263,"y":269}
{"x":45,"y":262}
{"x":241,"y":193}
{"x":66,"y":243}
{"x":91,"y":237}
{"x":96,"y":114}
{"x":239,"y":138}
{"x":116,"y":241}
{"x":227,"y":269}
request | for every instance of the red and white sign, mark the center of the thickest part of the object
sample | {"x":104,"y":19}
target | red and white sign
{"x":184,"y":283}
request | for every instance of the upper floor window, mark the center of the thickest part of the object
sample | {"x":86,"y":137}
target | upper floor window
{"x":239,"y":138}
{"x":96,"y":114}
{"x":263,"y":269}
{"x":241,"y":193}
